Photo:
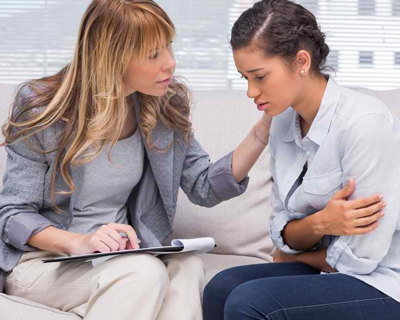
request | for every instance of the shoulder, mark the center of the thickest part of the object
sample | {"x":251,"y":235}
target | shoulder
{"x":25,"y":96}
{"x":356,"y":107}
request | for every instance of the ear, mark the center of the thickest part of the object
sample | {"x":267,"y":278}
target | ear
{"x":303,"y":62}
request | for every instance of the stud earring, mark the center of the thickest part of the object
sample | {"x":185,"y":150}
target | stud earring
{"x":303,"y":72}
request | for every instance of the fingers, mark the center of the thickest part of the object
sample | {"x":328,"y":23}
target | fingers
{"x":132,"y":236}
{"x":118,"y":238}
{"x":347,"y":190}
{"x":100,"y":246}
{"x":364,"y":202}
{"x":366,"y":221}
{"x":369,"y":210}
{"x":366,"y":229}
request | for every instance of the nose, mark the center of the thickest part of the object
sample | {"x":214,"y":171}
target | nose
{"x":169,"y":63}
{"x":252,"y":90}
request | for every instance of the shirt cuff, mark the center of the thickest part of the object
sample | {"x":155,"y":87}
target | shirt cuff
{"x":340,"y":257}
{"x":277,"y":224}
{"x":21,"y":227}
{"x":222,"y":181}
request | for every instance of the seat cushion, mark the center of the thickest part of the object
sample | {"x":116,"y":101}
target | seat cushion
{"x":214,"y":263}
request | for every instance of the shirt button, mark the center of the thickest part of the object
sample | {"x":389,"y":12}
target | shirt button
{"x":308,"y":153}
{"x":292,"y":211}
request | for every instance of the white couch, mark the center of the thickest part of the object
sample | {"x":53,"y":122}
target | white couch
{"x":240,"y":227}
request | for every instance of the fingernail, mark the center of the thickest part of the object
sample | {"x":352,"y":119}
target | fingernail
{"x":382,"y":214}
{"x":384,"y":204}
{"x":380,"y":197}
{"x":139,"y":241}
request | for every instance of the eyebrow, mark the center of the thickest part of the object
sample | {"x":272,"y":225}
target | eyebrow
{"x":253,"y":70}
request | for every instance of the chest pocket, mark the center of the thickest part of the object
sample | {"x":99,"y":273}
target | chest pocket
{"x":320,"y":189}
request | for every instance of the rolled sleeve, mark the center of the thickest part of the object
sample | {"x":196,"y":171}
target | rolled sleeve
{"x":342,"y":258}
{"x":372,"y":159}
{"x":208,"y":184}
{"x":222,"y":181}
{"x":20,"y":228}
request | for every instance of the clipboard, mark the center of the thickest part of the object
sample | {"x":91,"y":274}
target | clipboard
{"x":196,"y":245}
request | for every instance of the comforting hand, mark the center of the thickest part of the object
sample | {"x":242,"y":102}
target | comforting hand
{"x":349,"y":217}
{"x":106,"y":239}
{"x":281,"y":256}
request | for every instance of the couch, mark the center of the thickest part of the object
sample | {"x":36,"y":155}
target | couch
{"x":221,"y":120}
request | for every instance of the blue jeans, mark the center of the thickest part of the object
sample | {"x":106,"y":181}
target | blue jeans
{"x":293,"y":291}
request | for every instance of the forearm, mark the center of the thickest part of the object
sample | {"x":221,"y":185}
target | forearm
{"x":247,"y":153}
{"x":315,"y":259}
{"x":302,"y":234}
{"x":54,"y":240}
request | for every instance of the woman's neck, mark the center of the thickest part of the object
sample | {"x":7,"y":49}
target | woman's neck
{"x":310,"y":102}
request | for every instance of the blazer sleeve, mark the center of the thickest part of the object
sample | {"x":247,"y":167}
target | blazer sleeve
{"x":22,"y":194}
{"x":371,"y":155}
{"x":206,"y":183}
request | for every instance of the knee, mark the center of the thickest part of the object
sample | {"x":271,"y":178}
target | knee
{"x":245,"y":302}
{"x":221,"y":285}
{"x":142,"y":268}
{"x":187,"y":262}
{"x":216,"y":292}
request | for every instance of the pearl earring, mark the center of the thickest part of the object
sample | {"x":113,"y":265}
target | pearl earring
{"x":303,"y":72}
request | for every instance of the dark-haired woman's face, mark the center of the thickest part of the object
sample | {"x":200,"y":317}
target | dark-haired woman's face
{"x":271,"y":84}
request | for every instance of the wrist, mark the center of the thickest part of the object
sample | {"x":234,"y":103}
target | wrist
{"x":261,"y":132}
{"x":70,"y":243}
{"x":315,"y":223}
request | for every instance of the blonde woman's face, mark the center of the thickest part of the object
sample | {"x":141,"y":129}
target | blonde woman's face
{"x":272,"y":86}
{"x":151,"y":76}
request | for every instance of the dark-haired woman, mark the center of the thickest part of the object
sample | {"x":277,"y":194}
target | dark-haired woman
{"x":322,"y":135}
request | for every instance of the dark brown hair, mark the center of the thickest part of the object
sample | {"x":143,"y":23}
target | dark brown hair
{"x":281,"y":28}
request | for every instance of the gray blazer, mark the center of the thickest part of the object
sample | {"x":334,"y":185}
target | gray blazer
{"x":25,"y":207}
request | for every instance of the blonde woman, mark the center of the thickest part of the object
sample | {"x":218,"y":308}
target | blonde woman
{"x":99,"y":150}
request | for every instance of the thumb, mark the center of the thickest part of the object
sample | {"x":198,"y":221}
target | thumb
{"x":347,"y":190}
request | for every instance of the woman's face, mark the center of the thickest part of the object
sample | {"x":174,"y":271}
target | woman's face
{"x":271,"y":84}
{"x":152,"y":75}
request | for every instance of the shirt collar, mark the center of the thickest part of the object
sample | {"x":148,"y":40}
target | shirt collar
{"x":322,"y":122}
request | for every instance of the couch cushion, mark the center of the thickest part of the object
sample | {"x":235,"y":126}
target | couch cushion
{"x":215,"y":263}
{"x":14,"y":308}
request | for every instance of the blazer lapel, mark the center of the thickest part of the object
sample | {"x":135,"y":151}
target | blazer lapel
{"x":161,"y":162}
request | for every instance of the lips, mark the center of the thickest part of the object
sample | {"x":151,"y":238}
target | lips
{"x":262,"y":105}
{"x":165,"y":81}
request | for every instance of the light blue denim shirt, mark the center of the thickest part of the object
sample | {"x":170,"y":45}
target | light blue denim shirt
{"x":352,"y":136}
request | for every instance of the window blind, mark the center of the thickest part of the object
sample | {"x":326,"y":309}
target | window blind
{"x":38,"y":38}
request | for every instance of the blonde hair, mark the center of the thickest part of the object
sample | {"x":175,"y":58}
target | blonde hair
{"x":88,"y":94}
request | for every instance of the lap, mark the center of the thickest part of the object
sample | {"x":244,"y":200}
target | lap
{"x":293,"y":291}
{"x":316,"y":296}
{"x":32,"y":273}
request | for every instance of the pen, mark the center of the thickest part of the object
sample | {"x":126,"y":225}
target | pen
{"x":123,"y":234}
